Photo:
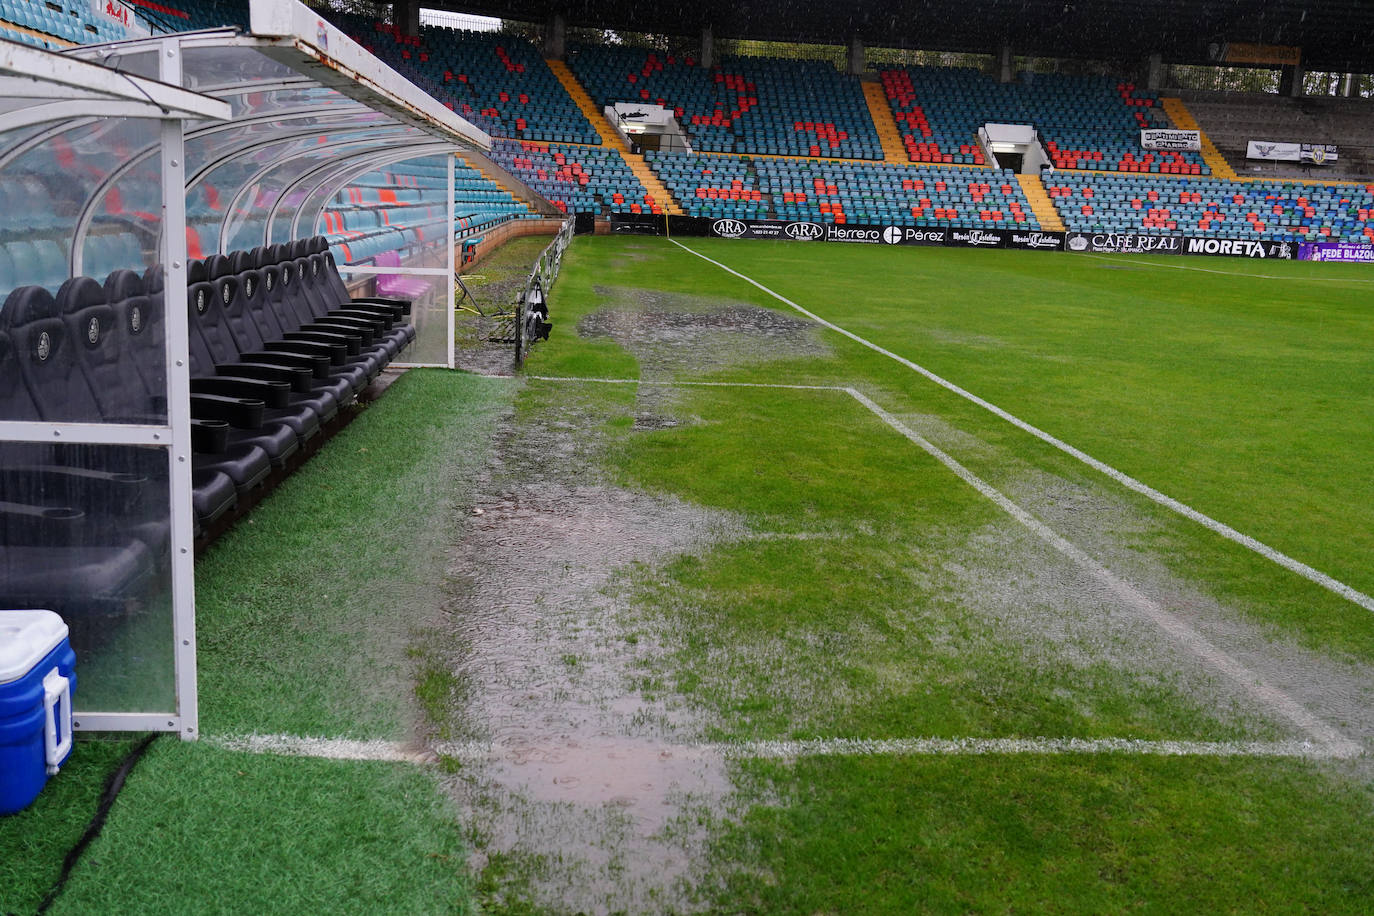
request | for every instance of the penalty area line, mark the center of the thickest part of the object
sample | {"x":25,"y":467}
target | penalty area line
{"x":1269,"y":697}
{"x":1309,"y":573}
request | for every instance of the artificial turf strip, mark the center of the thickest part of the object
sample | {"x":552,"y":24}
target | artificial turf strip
{"x":34,"y":842}
{"x":1093,"y":834}
{"x":203,"y":830}
{"x":308,"y":610}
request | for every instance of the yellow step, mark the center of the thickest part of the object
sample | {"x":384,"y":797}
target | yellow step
{"x":888,"y":132}
{"x":1183,"y":119}
{"x":496,"y":180}
{"x":612,"y":140}
{"x":1040,"y":202}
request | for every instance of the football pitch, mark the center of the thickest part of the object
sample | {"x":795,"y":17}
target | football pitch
{"x":797,"y":578}
{"x":1053,"y":587}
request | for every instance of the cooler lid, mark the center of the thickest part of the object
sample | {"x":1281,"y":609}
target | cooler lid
{"x":25,"y":637}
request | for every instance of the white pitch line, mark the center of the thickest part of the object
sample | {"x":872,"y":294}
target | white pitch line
{"x":1233,"y":273}
{"x":1271,"y":697}
{"x":324,"y":748}
{"x":678,"y":384}
{"x":475,"y":751}
{"x":1269,"y":553}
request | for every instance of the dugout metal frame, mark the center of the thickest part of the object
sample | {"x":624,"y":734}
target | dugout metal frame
{"x":281,"y":120}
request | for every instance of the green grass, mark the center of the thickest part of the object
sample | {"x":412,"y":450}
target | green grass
{"x":858,"y":615}
{"x":858,"y":597}
{"x":203,"y":830}
{"x":1047,"y":835}
{"x":1247,"y":399}
{"x":315,"y":617}
{"x":34,"y":842}
{"x":1241,"y":397}
{"x":306,"y":610}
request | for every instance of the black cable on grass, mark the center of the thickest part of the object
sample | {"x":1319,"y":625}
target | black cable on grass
{"x":112,"y":789}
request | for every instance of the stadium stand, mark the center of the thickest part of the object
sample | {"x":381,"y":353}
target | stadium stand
{"x":1084,"y":122}
{"x":744,"y":105}
{"x":386,"y":211}
{"x":71,"y":21}
{"x":1232,"y":119}
{"x":577,"y":179}
{"x":1212,"y":208}
{"x":844,"y":192}
{"x":498,"y":82}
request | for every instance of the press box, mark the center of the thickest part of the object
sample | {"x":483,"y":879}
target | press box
{"x":36,"y":686}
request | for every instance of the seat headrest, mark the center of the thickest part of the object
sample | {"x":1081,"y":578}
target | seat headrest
{"x":243,"y":260}
{"x":319,"y":245}
{"x":218,"y":265}
{"x":300,"y":248}
{"x":26,"y":304}
{"x":195,"y":271}
{"x":154,"y":279}
{"x":79,"y":293}
{"x":123,"y":284}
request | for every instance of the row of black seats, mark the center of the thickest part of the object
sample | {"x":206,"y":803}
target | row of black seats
{"x":277,"y":347}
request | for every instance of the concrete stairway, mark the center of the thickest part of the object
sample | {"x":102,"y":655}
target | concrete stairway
{"x":1040,"y":202}
{"x":893,"y":149}
{"x":612,"y":139}
{"x":1184,"y":120}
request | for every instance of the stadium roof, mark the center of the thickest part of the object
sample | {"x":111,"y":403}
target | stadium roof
{"x":1333,"y":34}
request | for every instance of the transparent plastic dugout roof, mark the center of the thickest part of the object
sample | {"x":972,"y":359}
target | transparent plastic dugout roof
{"x":118,"y":164}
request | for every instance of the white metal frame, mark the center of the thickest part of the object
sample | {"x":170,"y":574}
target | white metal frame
{"x":74,"y":88}
{"x":82,"y":91}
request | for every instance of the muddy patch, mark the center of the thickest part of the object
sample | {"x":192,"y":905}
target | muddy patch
{"x":587,"y":802}
{"x":674,"y":335}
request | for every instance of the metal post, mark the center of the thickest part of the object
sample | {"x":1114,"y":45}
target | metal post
{"x":1004,"y":65}
{"x":556,"y":36}
{"x":452,"y":268}
{"x":1154,"y":72}
{"x":855,"y":60}
{"x":173,"y":256}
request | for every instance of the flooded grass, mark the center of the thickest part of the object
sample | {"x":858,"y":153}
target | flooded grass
{"x":804,"y":573}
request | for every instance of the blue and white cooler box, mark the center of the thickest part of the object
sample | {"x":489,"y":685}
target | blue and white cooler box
{"x":36,"y":686}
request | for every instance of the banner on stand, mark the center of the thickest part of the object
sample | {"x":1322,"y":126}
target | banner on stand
{"x":1273,"y":151}
{"x":1337,"y":251}
{"x":1158,"y":138}
{"x":1123,"y":243}
{"x":1240,"y":248}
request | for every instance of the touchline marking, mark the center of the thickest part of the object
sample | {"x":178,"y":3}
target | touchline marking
{"x":1269,"y":553}
{"x":677,"y":384}
{"x":1269,"y":696}
{"x":1232,"y":273}
{"x":476,"y":751}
